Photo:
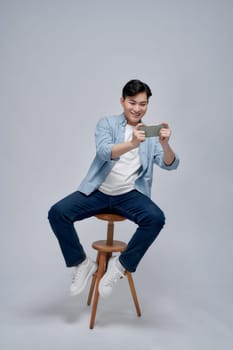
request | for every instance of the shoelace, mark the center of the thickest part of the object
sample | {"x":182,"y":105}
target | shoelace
{"x":76,"y":274}
{"x":115,"y":276}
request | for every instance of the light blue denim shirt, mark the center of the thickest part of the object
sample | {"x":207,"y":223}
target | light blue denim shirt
{"x":110,"y":131}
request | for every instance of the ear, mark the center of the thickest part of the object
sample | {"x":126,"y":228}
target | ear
{"x":122,"y":100}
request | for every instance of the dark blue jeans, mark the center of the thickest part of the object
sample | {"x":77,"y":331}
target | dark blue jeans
{"x":132,"y":205}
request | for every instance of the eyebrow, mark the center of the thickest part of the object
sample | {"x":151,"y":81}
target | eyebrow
{"x":132,"y":100}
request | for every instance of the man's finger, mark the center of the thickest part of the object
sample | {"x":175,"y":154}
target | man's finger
{"x":165,"y":125}
{"x":138,"y":125}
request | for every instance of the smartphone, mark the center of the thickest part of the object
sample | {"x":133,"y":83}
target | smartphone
{"x":151,"y":130}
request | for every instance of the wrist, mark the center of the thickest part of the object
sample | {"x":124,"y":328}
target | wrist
{"x":133,"y":144}
{"x":165,"y":145}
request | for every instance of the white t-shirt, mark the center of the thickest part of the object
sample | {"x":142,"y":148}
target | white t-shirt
{"x":124,"y":173}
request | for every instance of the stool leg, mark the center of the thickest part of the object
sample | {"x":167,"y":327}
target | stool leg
{"x":99,"y":274}
{"x":133,"y":292}
{"x":108,"y":256}
{"x":92,"y":287}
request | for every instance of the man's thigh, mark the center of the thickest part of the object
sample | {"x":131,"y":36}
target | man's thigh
{"x":136,"y":206}
{"x":78,"y":206}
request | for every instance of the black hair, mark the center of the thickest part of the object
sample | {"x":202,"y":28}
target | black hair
{"x":134,"y":87}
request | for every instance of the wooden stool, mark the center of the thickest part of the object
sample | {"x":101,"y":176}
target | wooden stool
{"x":105,"y":249}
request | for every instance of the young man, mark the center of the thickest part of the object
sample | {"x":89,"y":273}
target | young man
{"x":119,"y":181}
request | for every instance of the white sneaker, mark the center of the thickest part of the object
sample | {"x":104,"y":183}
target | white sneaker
{"x":110,"y":278}
{"x":81,"y":275}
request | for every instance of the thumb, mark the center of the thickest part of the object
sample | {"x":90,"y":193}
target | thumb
{"x":139,"y":125}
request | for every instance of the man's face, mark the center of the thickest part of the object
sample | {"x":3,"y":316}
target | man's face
{"x":135,"y":107}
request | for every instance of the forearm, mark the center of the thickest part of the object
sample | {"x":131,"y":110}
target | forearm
{"x":169,"y":155}
{"x":121,"y":148}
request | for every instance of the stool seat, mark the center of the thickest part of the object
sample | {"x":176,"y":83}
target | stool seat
{"x":110,"y":217}
{"x":105,"y":248}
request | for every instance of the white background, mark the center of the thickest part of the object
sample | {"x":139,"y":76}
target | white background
{"x":62,"y":66}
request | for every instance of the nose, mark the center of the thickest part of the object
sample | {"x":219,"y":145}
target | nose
{"x":136,"y":108}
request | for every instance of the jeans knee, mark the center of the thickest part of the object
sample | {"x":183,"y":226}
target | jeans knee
{"x":162,"y":219}
{"x":54,"y":212}
{"x":157,"y":218}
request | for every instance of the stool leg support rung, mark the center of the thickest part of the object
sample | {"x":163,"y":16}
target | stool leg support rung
{"x":133,"y":292}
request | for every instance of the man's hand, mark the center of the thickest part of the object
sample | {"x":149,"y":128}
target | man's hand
{"x":121,"y":148}
{"x":164,"y":134}
{"x":138,"y":136}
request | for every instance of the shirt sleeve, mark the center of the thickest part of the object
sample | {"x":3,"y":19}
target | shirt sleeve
{"x":159,"y":158}
{"x":104,"y":139}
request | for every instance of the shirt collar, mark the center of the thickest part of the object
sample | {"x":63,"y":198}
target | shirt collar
{"x":123,"y":120}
